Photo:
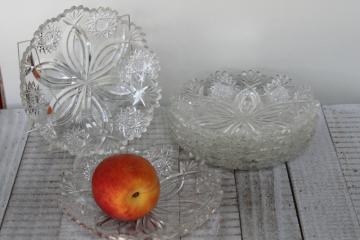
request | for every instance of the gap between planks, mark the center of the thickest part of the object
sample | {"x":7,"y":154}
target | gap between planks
{"x":325,"y":209}
{"x":253,"y":214}
{"x":347,"y":146}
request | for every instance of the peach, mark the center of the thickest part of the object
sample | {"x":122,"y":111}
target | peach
{"x":125,"y":186}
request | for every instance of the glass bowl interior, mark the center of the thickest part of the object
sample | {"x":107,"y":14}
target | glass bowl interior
{"x":244,"y":121}
{"x":190,"y":193}
{"x":89,"y":81}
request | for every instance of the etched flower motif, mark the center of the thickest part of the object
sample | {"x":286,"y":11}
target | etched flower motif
{"x":267,"y":121}
{"x":93,"y":71}
{"x":103,"y":22}
{"x":138,"y":74}
{"x":191,"y":191}
{"x":47,"y":39}
{"x":76,"y":78}
{"x":131,"y":122}
{"x":244,"y":114}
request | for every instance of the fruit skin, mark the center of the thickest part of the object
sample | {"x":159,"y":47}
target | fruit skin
{"x":125,"y":186}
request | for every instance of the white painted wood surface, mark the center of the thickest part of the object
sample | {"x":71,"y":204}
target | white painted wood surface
{"x":12,"y":141}
{"x":256,"y":206}
{"x":33,"y":211}
{"x":225,"y":223}
{"x":323,"y":202}
{"x":266,"y":205}
{"x":344,"y":124}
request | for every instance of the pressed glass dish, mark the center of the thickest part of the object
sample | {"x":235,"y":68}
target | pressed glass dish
{"x":189,"y":193}
{"x":88,"y":80}
{"x":245,"y":121}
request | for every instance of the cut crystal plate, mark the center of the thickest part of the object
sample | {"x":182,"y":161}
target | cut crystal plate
{"x":190,"y":192}
{"x":88,"y":80}
{"x":245,"y":121}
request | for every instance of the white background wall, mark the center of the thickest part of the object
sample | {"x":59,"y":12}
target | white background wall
{"x":317,"y":41}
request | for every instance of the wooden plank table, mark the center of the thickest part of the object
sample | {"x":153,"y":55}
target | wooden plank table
{"x":313,"y":197}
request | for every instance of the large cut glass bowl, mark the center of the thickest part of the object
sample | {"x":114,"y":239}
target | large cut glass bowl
{"x":245,"y":121}
{"x":190,"y":192}
{"x":88,"y":80}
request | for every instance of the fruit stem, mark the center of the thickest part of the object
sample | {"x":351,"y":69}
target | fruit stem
{"x":135,"y":195}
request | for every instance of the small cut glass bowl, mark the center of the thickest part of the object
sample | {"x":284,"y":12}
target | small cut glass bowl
{"x":190,"y":192}
{"x":246,"y":121}
{"x":89,"y":81}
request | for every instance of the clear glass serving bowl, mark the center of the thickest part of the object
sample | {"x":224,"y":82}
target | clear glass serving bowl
{"x":88,"y":80}
{"x":245,"y":121}
{"x":189,"y":193}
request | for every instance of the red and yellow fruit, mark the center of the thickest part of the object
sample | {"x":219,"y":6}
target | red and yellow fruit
{"x":125,"y":186}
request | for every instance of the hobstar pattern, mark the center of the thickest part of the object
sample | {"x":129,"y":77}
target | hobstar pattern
{"x":248,"y":121}
{"x":48,"y":38}
{"x":80,"y":69}
{"x":131,"y":122}
{"x":103,"y":22}
{"x":190,"y":193}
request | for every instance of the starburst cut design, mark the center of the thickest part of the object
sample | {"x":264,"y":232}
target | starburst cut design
{"x":81,"y":69}
{"x":143,"y":64}
{"x":194,"y":191}
{"x":77,"y":137}
{"x":232,"y":110}
{"x":103,"y":22}
{"x":130,"y":122}
{"x":161,"y":159}
{"x":48,"y":38}
{"x":245,"y":121}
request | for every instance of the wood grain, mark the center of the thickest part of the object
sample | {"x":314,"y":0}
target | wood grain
{"x":323,"y":202}
{"x":266,"y":205}
{"x":12,"y":142}
{"x":33,"y":211}
{"x":225,"y":223}
{"x":344,"y":123}
{"x":256,"y":205}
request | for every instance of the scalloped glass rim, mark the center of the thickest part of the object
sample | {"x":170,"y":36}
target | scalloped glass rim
{"x":32,"y":95}
{"x":198,"y":186}
{"x":245,"y":121}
